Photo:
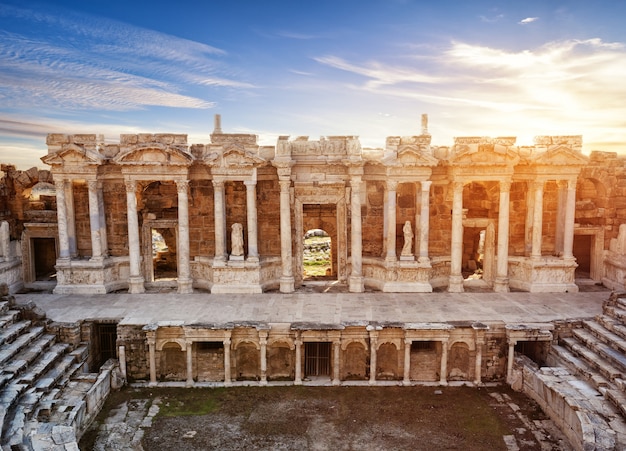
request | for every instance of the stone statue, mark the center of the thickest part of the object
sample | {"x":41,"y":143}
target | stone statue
{"x":407,"y":249}
{"x":236,"y":238}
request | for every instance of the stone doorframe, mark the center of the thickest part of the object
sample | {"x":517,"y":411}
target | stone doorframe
{"x":146,"y":244}
{"x":489,"y":258}
{"x":31,"y":231}
{"x":596,"y":251}
{"x":333,"y":194}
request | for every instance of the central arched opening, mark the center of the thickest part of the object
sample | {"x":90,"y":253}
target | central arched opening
{"x":164,"y":261}
{"x":317,"y":260}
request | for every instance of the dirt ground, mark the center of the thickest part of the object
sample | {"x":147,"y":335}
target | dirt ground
{"x":323,"y":418}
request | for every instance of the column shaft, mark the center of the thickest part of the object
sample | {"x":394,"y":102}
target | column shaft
{"x":71,"y":218}
{"x":392,"y":185}
{"x":184,"y":269}
{"x":298,"y":376}
{"x":336,"y":362}
{"x":263,"y":343}
{"x":135,"y":282}
{"x":190,"y":380}
{"x":455,"y":284}
{"x":570,"y":218}
{"x":509,"y":365}
{"x":103,"y":224}
{"x":406,"y":379}
{"x":94,"y":220}
{"x":356,"y":242}
{"x":227,"y":370}
{"x":502,"y":269}
{"x":220,"y":221}
{"x":287,"y":279}
{"x":443,"y":372}
{"x":251,"y":207}
{"x":152,"y":357}
{"x":537,"y":221}
{"x":478,"y":366}
{"x":424,"y":222}
{"x":373,"y":362}
{"x":64,"y":244}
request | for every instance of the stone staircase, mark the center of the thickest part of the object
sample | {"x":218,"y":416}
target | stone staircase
{"x":595,"y":353}
{"x":43,"y":383}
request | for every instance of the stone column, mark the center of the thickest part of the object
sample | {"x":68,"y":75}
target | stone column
{"x":392,"y":186}
{"x":528,"y":224}
{"x":135,"y":281}
{"x":71,"y":218}
{"x":356,"y":242}
{"x":263,"y":343}
{"x":121,"y":355}
{"x":509,"y":365}
{"x":103,"y":224}
{"x":424,"y":223}
{"x":152,"y":357}
{"x":501,"y":284}
{"x":336,"y":359}
{"x":455,"y":284}
{"x":94,"y":221}
{"x":570,"y":218}
{"x":406,"y":380}
{"x":373,"y":349}
{"x":189,"y":347}
{"x":184,"y":269}
{"x":220,"y":221}
{"x":287,"y":279}
{"x":253,"y":247}
{"x":560,"y":217}
{"x":443,"y":372}
{"x":64,"y":244}
{"x":227,"y":375}
{"x":478,"y":368}
{"x":298,"y":376}
{"x":535,"y":253}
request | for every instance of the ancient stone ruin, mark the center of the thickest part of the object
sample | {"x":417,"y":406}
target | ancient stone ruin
{"x":154,"y":213}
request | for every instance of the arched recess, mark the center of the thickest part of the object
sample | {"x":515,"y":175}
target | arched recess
{"x":173,"y":363}
{"x":355,"y":361}
{"x":247,"y":362}
{"x":280,"y":361}
{"x":459,"y":359}
{"x":387,"y":366}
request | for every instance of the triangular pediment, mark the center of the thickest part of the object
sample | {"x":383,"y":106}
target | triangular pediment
{"x":488,"y":154}
{"x":560,"y":156}
{"x":73,"y":155}
{"x":234,"y":157}
{"x":411,"y":155}
{"x":155,"y":153}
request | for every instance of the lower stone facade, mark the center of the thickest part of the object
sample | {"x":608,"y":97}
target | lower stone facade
{"x":367,"y":352}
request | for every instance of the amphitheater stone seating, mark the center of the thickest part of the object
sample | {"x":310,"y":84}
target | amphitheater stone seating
{"x":46,"y":392}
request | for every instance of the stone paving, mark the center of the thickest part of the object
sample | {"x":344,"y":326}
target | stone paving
{"x":330,"y":307}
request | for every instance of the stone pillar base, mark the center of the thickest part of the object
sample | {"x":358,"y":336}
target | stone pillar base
{"x":185,"y":286}
{"x":455,"y":284}
{"x":356,"y":284}
{"x":287,"y":285}
{"x":135,"y":285}
{"x":501,"y":285}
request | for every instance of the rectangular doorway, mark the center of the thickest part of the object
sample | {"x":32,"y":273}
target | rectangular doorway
{"x":104,"y":346}
{"x":317,"y":359}
{"x":44,"y":258}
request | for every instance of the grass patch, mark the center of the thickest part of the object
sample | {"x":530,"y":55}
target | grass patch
{"x":185,"y":402}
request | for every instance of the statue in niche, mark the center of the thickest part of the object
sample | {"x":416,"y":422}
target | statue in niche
{"x":236,"y":239}
{"x":407,"y":249}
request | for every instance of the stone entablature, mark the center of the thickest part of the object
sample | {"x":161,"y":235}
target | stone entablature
{"x":390,"y":212}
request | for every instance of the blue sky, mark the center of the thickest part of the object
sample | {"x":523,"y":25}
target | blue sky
{"x":365,"y":67}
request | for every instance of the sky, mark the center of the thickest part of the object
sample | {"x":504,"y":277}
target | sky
{"x":369,"y":68}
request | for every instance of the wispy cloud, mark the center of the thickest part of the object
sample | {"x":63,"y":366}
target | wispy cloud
{"x":102,"y":63}
{"x":491,"y":19}
{"x":528,"y":20}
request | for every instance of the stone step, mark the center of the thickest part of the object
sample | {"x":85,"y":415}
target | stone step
{"x":9,"y":317}
{"x":615,"y":312}
{"x":11,"y":349}
{"x":620,"y":302}
{"x":592,"y":358}
{"x":43,"y":363}
{"x":8,"y":399}
{"x":607,"y":336}
{"x":580,"y":367}
{"x":8,"y":334}
{"x":618,"y":398}
{"x":47,"y":381}
{"x":27,"y":356}
{"x":4,"y":307}
{"x":612,"y":324}
{"x":616,"y":358}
